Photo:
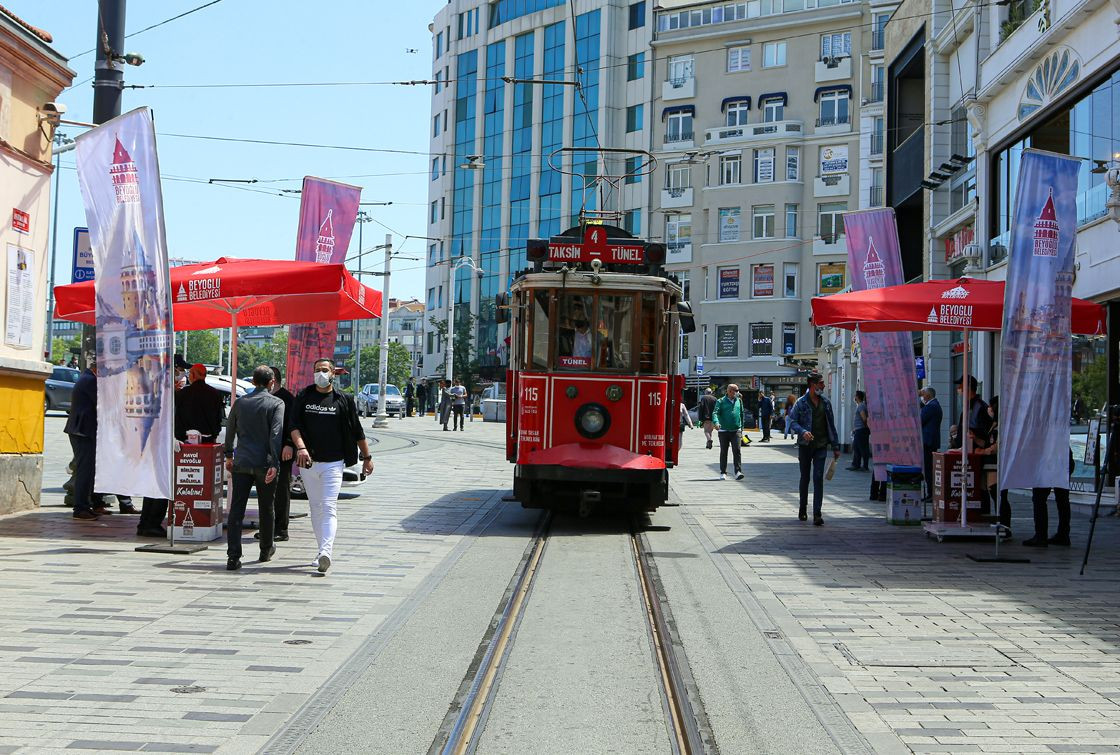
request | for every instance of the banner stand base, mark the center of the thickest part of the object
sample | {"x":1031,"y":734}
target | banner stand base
{"x":942,"y":530}
{"x":998,"y":560}
{"x":180,"y":548}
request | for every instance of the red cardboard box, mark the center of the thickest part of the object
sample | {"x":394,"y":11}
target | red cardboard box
{"x":199,"y":471}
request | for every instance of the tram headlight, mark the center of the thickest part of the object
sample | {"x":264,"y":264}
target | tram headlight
{"x":593,"y":420}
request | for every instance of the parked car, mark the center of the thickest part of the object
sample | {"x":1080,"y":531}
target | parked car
{"x":368,"y":396}
{"x":59,"y":386}
{"x":351,"y":478}
{"x":223,"y":382}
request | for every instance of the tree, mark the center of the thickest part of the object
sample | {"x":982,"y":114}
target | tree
{"x":1091,"y":384}
{"x":463,"y":348}
{"x":273,"y":352}
{"x":64,"y":348}
{"x":399,"y":370}
{"x":202,"y":347}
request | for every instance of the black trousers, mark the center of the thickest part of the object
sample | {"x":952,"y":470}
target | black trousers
{"x":282,"y":500}
{"x":457,"y":419}
{"x":765,"y":423}
{"x":811,"y":461}
{"x":152,"y":514}
{"x":878,"y":489}
{"x":732,"y":439}
{"x":422,"y":405}
{"x":409,"y":404}
{"x":861,"y":448}
{"x":85,"y":450}
{"x":1039,"y":497}
{"x":243,"y":481}
{"x":927,"y":468}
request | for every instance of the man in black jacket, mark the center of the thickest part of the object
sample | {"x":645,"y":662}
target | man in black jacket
{"x":199,"y":407}
{"x":81,"y":426}
{"x":283,"y":500}
{"x":326,"y":432}
{"x":704,"y":414}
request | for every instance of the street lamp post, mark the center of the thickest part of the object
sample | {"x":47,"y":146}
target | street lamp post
{"x":63,"y":143}
{"x":382,"y":419}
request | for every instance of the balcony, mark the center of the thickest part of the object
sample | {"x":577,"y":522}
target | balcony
{"x":836,"y":124}
{"x":876,"y":144}
{"x":833,"y":69}
{"x":678,"y":196}
{"x":783,"y":130}
{"x":875,"y":196}
{"x":834,"y":185}
{"x":678,"y":139}
{"x":876,"y":93}
{"x":908,"y":167}
{"x":679,"y":89}
{"x":830,"y":245}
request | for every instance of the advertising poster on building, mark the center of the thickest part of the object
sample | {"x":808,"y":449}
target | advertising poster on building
{"x":19,"y":319}
{"x":327,"y":213}
{"x":729,"y":283}
{"x":763,"y":283}
{"x":727,"y":340}
{"x":728,"y":224}
{"x":831,"y":278}
{"x":887,"y":359}
{"x":1035,"y":383}
{"x":119,"y":177}
{"x":834,"y":159}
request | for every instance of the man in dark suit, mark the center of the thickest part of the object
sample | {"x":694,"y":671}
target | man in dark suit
{"x":81,"y":426}
{"x":199,"y":407}
{"x":765,"y":412}
{"x":931,"y":435}
{"x":282,"y":503}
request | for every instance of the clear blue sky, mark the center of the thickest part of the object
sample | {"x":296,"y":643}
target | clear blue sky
{"x":265,"y":41}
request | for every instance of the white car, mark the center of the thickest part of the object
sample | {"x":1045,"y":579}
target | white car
{"x":351,"y":478}
{"x":366,"y":400}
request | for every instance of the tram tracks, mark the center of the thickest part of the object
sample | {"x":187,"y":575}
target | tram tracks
{"x":467,"y":718}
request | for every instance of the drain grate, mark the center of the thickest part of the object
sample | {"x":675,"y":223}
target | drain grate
{"x":905,"y":654}
{"x":297,"y":642}
{"x":191,"y":690}
{"x":773,"y":634}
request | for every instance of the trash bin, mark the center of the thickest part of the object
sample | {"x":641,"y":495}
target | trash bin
{"x":904,"y":494}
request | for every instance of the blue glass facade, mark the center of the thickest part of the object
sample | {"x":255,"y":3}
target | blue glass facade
{"x":585,"y":117}
{"x":522,"y":127}
{"x":490,"y":241}
{"x":552,"y":131}
{"x":462,"y":218}
{"x":507,"y":10}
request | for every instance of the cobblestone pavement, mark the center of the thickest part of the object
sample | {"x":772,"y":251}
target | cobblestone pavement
{"x":923,"y":648}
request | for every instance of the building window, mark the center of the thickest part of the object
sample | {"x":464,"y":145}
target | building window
{"x":875,"y":195}
{"x":728,"y":225}
{"x":442,"y":208}
{"x":877,"y":79}
{"x":830,"y":221}
{"x":877,"y":130}
{"x":679,"y":176}
{"x":791,"y":221}
{"x":680,"y":70}
{"x":435,"y":168}
{"x":686,"y":287}
{"x":836,"y":45}
{"x":435,"y":125}
{"x":878,"y":30}
{"x":773,"y":109}
{"x":637,"y":15}
{"x":435,"y":212}
{"x":439,"y":297}
{"x":962,"y":186}
{"x":727,"y":340}
{"x":793,"y":163}
{"x":728,"y":282}
{"x":678,"y":127}
{"x":789,"y":338}
{"x":632,"y":222}
{"x":738,"y":59}
{"x":762,"y":221}
{"x":635,"y":66}
{"x":633,"y":170}
{"x":762,"y":281}
{"x":730,"y":170}
{"x":762,"y":339}
{"x":433,"y":255}
{"x":833,"y":108}
{"x":764,"y":165}
{"x":634,"y":117}
{"x":789,"y":280}
{"x":439,"y":44}
{"x":678,"y":233}
{"x":737,"y":113}
{"x":773,"y":54}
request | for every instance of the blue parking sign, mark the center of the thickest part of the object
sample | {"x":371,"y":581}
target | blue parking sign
{"x":83,"y":257}
{"x":699,"y":364}
{"x":920,"y":367}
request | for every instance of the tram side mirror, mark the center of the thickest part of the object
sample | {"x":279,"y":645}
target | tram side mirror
{"x":684,"y":315}
{"x":501,"y":308}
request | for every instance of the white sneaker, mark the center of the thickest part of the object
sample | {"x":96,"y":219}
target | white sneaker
{"x":324,"y":563}
{"x":722,"y":476}
{"x":738,"y":475}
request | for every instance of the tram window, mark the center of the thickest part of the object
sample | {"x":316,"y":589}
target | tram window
{"x":614,"y":331}
{"x":576,"y":336}
{"x":647,"y":353}
{"x":540,"y":329}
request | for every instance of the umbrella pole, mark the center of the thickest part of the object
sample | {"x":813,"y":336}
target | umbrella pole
{"x":965,"y":467}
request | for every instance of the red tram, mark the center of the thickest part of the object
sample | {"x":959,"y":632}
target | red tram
{"x":593,"y":398}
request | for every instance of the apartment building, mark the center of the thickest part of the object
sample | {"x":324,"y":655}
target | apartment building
{"x":757,"y":107}
{"x":503,"y":106}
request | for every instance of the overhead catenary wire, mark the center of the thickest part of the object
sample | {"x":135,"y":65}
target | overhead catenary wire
{"x":153,"y":26}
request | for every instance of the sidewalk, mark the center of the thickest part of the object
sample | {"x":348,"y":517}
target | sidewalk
{"x":916,"y":643}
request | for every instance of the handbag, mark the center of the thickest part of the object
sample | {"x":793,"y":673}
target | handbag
{"x":745,"y":441}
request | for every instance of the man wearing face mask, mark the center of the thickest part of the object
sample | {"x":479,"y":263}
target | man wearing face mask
{"x":326,"y":433}
{"x":814,"y":425}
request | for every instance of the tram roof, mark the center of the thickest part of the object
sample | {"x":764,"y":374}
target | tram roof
{"x":585,"y":279}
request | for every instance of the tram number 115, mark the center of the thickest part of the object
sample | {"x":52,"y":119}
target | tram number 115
{"x":655,"y":398}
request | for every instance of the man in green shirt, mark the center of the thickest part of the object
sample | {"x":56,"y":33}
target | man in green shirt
{"x":814,"y":425}
{"x":727,"y":416}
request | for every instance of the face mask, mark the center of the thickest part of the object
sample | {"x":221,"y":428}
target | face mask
{"x":323,"y":379}
{"x":923,"y":400}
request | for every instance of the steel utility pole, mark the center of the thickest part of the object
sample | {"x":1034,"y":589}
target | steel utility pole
{"x":382,"y":419}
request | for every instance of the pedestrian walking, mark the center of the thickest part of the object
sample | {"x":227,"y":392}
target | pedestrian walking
{"x":327,"y":433}
{"x":282,"y":501}
{"x":790,"y":401}
{"x":443,"y":412}
{"x":931,"y":435}
{"x":765,"y":412}
{"x":81,"y":427}
{"x":861,"y":435}
{"x":1039,"y":498}
{"x":728,"y":419}
{"x":252,"y":446}
{"x":815,"y":426}
{"x":458,"y":404}
{"x":704,"y":412}
{"x":422,"y":396}
{"x":410,"y":396}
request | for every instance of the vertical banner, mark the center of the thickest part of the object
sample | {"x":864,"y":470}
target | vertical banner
{"x":119,"y":177}
{"x":887,"y":359}
{"x":327,"y":214}
{"x":1035,"y":383}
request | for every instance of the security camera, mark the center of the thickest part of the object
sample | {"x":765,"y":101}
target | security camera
{"x":54,"y":108}
{"x":479,"y":272}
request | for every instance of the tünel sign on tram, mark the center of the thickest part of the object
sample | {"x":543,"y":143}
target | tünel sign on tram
{"x":595,"y":246}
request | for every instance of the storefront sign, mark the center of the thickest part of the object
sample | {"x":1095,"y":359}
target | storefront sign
{"x":763,"y":282}
{"x":834,"y":159}
{"x":955,"y":244}
{"x":729,"y":283}
{"x":21,"y":221}
{"x":831,"y":278}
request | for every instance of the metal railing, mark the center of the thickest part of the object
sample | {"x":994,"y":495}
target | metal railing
{"x":682,"y":136}
{"x":875,"y":196}
{"x":833,"y":120}
{"x":876,"y":144}
{"x":877,"y":39}
{"x":876,"y":92}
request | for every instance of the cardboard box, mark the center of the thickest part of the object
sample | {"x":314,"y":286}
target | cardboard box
{"x":197,"y":510}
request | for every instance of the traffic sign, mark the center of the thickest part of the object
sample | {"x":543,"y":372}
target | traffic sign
{"x":700,"y":364}
{"x":83,"y":257}
{"x":920,"y":367}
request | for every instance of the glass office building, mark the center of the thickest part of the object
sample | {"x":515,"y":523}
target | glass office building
{"x":503,"y":107}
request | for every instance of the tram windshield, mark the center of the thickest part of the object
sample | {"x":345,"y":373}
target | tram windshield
{"x":594,"y":332}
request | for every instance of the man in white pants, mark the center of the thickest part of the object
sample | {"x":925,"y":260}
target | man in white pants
{"x":326,"y":433}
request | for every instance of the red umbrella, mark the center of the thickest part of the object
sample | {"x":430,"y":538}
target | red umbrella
{"x":964,"y":304}
{"x":232,"y":292}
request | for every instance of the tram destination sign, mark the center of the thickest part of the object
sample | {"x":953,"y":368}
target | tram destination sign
{"x":596,"y":246}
